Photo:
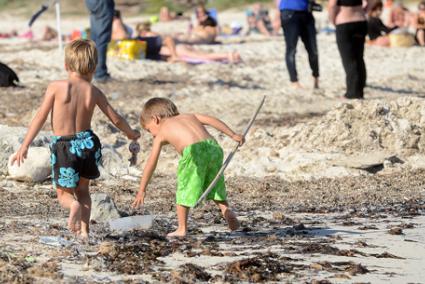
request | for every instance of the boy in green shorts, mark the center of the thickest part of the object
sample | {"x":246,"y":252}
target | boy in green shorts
{"x":201,"y":158}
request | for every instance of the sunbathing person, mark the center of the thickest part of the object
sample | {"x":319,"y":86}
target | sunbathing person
{"x":377,"y":31}
{"x":165,"y":15}
{"x":259,"y":21}
{"x":419,"y":24}
{"x":204,"y":33}
{"x":399,"y":17}
{"x":164,"y":47}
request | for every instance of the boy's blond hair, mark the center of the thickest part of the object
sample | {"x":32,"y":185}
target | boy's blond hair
{"x":81,"y":56}
{"x":159,"y":107}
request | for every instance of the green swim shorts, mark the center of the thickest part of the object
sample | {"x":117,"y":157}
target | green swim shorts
{"x":198,"y":166}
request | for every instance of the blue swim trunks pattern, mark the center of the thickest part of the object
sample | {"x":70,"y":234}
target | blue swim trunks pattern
{"x":74,"y":157}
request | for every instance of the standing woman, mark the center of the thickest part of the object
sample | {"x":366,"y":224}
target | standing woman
{"x":349,"y":17}
{"x":298,"y":22}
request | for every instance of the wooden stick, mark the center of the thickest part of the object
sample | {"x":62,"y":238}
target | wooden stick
{"x":229,"y":158}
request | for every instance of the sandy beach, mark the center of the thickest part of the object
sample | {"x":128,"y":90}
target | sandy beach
{"x":328,"y":190}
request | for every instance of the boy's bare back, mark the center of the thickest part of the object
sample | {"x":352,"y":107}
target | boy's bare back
{"x":183,"y":130}
{"x":73,"y":106}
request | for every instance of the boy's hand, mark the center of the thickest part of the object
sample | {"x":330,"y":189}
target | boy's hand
{"x":140,"y":199}
{"x":19,"y":156}
{"x":134,"y":135}
{"x":238,"y":138}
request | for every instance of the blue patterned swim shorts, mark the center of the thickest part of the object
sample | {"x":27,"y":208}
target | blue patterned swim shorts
{"x":74,"y":157}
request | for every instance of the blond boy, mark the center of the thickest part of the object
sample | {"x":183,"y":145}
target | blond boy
{"x":201,"y":158}
{"x":75,"y":149}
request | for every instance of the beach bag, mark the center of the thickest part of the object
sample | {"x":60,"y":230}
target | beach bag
{"x":402,"y":40}
{"x":8,"y":77}
{"x":129,"y":49}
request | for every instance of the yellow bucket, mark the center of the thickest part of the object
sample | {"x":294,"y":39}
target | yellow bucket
{"x":129,"y":49}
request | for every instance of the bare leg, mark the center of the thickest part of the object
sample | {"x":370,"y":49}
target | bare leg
{"x":83,"y":196}
{"x":316,"y":82}
{"x":262,"y":28}
{"x":170,"y":44}
{"x":182,"y":213}
{"x":186,"y":51}
{"x":229,"y":215}
{"x":421,"y":37}
{"x":67,"y":201}
{"x":382,"y":41}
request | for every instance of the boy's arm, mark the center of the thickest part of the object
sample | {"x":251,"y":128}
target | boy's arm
{"x":36,"y":124}
{"x":148,"y":171}
{"x":114,"y":117}
{"x":221,"y":126}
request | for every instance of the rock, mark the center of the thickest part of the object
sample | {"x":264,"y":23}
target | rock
{"x":11,"y":139}
{"x":107,"y":249}
{"x":277,"y":215}
{"x":113,"y":163}
{"x":395,"y":231}
{"x":103,"y":208}
{"x":36,"y":167}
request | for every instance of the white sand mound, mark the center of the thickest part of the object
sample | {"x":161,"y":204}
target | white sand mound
{"x":367,"y":126}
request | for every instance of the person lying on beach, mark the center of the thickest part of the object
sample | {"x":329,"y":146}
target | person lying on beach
{"x":201,"y":158}
{"x":377,"y":31}
{"x":419,"y":24}
{"x":165,"y":15}
{"x":75,"y":148}
{"x":164,"y":47}
{"x":205,"y":32}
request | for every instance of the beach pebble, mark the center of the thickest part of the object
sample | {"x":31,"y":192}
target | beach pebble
{"x":113,"y":164}
{"x":395,"y":231}
{"x":103,"y":208}
{"x":36,"y":167}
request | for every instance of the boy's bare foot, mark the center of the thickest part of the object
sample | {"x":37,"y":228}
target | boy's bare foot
{"x":74,"y":220}
{"x":177,"y":234}
{"x":231,"y":219}
{"x":84,"y":236}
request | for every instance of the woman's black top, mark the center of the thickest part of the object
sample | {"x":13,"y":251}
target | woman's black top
{"x":375,"y":28}
{"x":349,"y":2}
{"x":209,"y":22}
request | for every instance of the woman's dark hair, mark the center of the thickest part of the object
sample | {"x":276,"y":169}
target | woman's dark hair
{"x":376,"y":5}
{"x":117,"y":14}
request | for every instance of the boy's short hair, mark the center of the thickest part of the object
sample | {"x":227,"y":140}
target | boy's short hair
{"x":81,"y":56}
{"x":160,"y":107}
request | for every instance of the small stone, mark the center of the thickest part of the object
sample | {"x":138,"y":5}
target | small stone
{"x":103,"y":208}
{"x":316,"y":266}
{"x":395,"y":231}
{"x":277,"y":215}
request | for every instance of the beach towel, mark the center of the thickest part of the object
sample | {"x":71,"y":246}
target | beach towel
{"x":8,"y":77}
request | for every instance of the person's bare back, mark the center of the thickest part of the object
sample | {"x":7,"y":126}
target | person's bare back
{"x":73,"y":107}
{"x":183,"y":130}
